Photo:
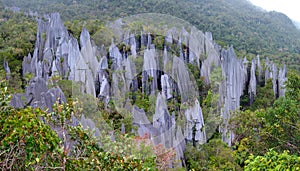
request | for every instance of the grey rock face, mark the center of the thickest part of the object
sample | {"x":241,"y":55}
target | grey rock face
{"x":274,"y":79}
{"x":181,"y":76}
{"x":162,"y":131}
{"x":150,"y":70}
{"x":36,"y":87}
{"x":161,"y":119}
{"x":231,"y":89}
{"x":166,"y":87}
{"x":278,"y":77}
{"x":252,"y":83}
{"x":149,"y":42}
{"x":84,"y":75}
{"x":89,"y":124}
{"x":87,"y":52}
{"x":130,"y":73}
{"x":51,"y":96}
{"x":61,"y":58}
{"x":31,"y":65}
{"x":184,"y":51}
{"x":38,"y":95}
{"x":170,"y":35}
{"x":16,"y":101}
{"x":165,"y":59}
{"x":103,"y":63}
{"x":58,"y":54}
{"x":139,"y":116}
{"x":268,"y":70}
{"x":102,"y":80}
{"x":132,"y":43}
{"x":164,"y":123}
{"x":115,"y":54}
{"x":196,"y":44}
{"x":74,"y":55}
{"x":7,"y":69}
{"x":260,"y":70}
{"x":143,"y":40}
{"x":56,"y":32}
{"x":210,"y":60}
{"x":195,"y":120}
{"x":281,"y":80}
{"x":179,"y":144}
{"x":104,"y":87}
{"x":140,"y":119}
{"x":26,"y":64}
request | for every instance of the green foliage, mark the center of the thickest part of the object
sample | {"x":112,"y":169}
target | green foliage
{"x":264,"y":97}
{"x":14,"y":83}
{"x":273,"y":161}
{"x":238,"y":23}
{"x":202,"y":87}
{"x":293,"y":86}
{"x":215,"y":155}
{"x":282,"y":128}
{"x":159,"y":42}
{"x":246,"y":126}
{"x":26,"y":142}
{"x":141,"y":100}
{"x":276,"y":127}
{"x":17,"y":38}
{"x":211,"y":113}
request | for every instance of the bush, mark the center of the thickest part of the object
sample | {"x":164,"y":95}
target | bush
{"x":273,"y":161}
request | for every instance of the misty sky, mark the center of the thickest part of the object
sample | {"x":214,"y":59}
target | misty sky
{"x":291,"y":8}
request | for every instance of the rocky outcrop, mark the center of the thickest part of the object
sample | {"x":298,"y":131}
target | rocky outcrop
{"x":210,"y":59}
{"x":278,"y":77}
{"x":74,"y":55}
{"x":58,"y":54}
{"x":38,"y":95}
{"x":89,"y":124}
{"x":150,"y":71}
{"x":231,"y":89}
{"x":181,"y":76}
{"x":281,"y":81}
{"x":115,"y":55}
{"x":162,"y":119}
{"x":16,"y":101}
{"x":252,"y":83}
{"x":51,"y":96}
{"x":260,"y":70}
{"x":88,"y":52}
{"x":104,"y":87}
{"x":139,"y":66}
{"x":130,"y":75}
{"x":196,"y":44}
{"x":85,"y":76}
{"x":33,"y":91}
{"x":195,"y":124}
{"x":6,"y":69}
{"x":166,"y":86}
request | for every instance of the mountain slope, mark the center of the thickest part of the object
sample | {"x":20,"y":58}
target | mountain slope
{"x":248,"y":28}
{"x":235,"y":22}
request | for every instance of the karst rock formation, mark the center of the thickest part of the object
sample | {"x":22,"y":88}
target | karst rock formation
{"x":163,"y":75}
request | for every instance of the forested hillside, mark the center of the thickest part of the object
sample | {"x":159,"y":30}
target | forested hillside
{"x":233,"y":22}
{"x":85,"y":91}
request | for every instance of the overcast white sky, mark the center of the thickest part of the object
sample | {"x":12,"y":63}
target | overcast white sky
{"x":291,"y":8}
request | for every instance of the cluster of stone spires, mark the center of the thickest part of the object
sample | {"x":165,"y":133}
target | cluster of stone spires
{"x":58,"y":53}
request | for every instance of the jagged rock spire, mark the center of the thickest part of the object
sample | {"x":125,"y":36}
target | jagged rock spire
{"x":252,"y":83}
